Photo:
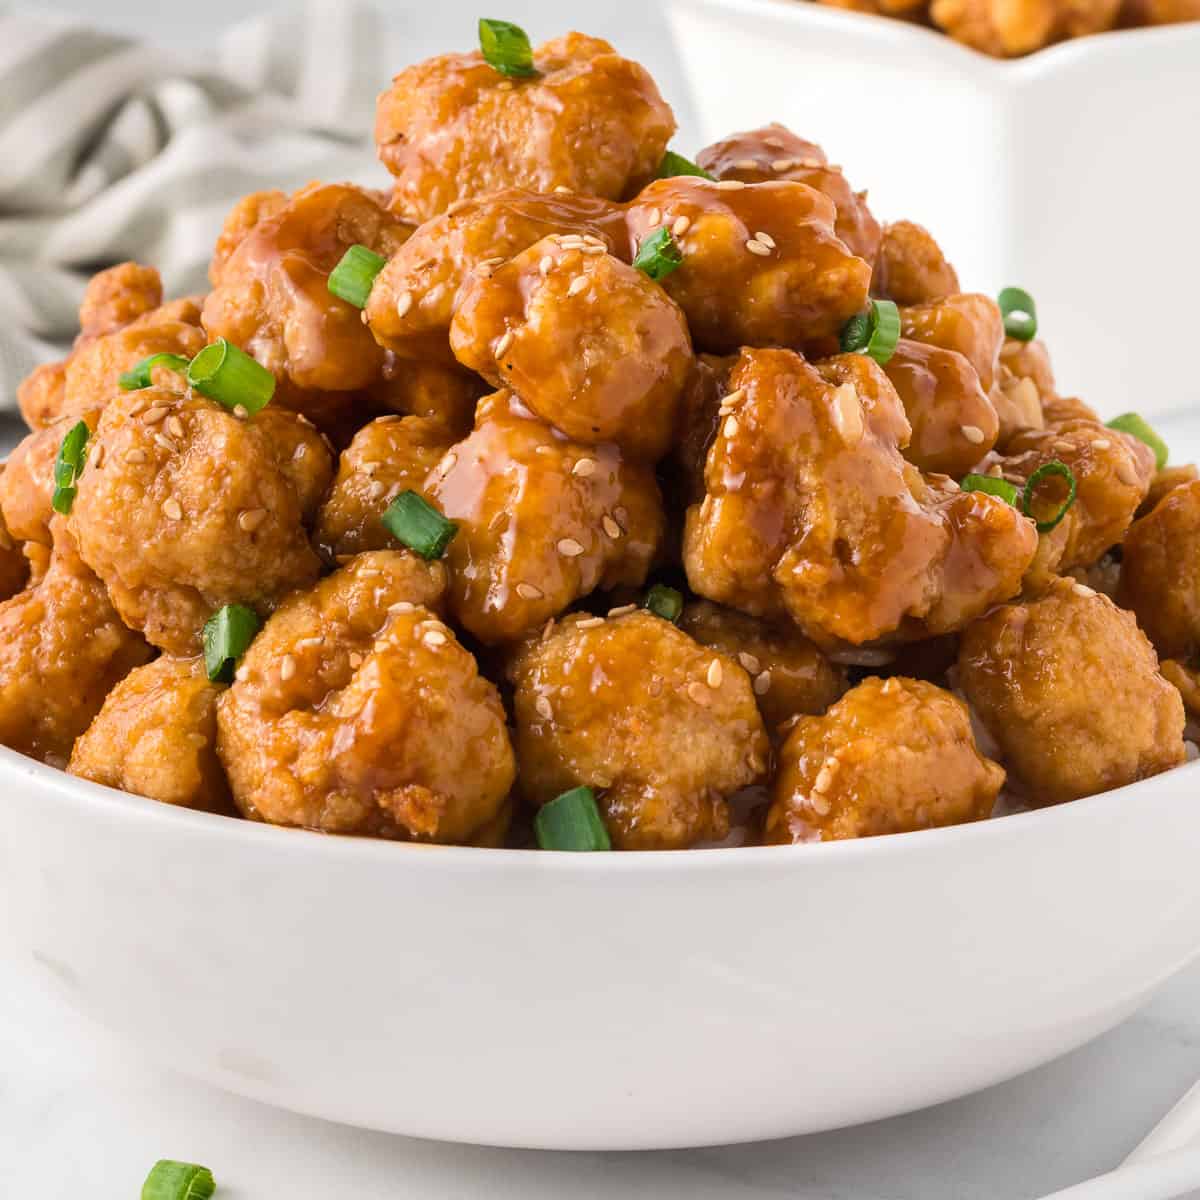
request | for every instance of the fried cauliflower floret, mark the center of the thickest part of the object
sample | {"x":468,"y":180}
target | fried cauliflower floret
{"x":273,"y":298}
{"x":184,"y":508}
{"x":587,"y":342}
{"x":812,"y":512}
{"x":1159,"y":12}
{"x":14,"y":566}
{"x":117,"y":296}
{"x":1160,"y":581}
{"x":761,"y":265}
{"x":790,"y":675}
{"x":1008,"y":28}
{"x":663,"y":729}
{"x":389,"y":456}
{"x":40,"y":394}
{"x":954,"y":424}
{"x":416,"y":389}
{"x":413,"y":300}
{"x":452,"y":127}
{"x":776,"y":153}
{"x":542,"y":521}
{"x":1186,"y":679}
{"x":356,"y":710}
{"x":1023,"y":378}
{"x":1164,"y":482}
{"x":911,"y":268}
{"x":966,"y":322}
{"x":62,"y":650}
{"x":156,"y":736}
{"x":893,"y":755}
{"x":1069,"y":688}
{"x":242,"y":218}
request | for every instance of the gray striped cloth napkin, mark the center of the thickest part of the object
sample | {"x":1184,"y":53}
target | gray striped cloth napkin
{"x":113,"y":149}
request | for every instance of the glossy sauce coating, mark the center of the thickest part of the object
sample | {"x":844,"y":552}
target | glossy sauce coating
{"x":453,"y":127}
{"x":611,"y":703}
{"x":447,"y":395}
{"x":588,"y":343}
{"x":14,"y":567}
{"x":911,"y":268}
{"x":891,"y":756}
{"x":966,"y":322}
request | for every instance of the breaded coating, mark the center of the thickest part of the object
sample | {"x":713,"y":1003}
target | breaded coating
{"x":355,"y":710}
{"x":62,"y":650}
{"x":1029,"y":360}
{"x":14,"y":566}
{"x":893,"y":755}
{"x":700,"y":414}
{"x":589,"y":344}
{"x":1069,"y":687}
{"x":273,"y":298}
{"x":184,"y":507}
{"x":242,"y":218}
{"x":789,"y":674}
{"x":40,"y":394}
{"x":414,"y":297}
{"x":1160,"y":573}
{"x":774,"y":152}
{"x":662,"y":728}
{"x":1008,"y":28}
{"x":453,"y":128}
{"x":1186,"y":679}
{"x":542,"y":521}
{"x":417,"y":389}
{"x":812,"y":512}
{"x":27,"y":485}
{"x":1165,"y":481}
{"x":954,"y":424}
{"x":1159,"y":12}
{"x":967,"y":322}
{"x":762,"y":264}
{"x":911,"y":268}
{"x":388,"y":456}
{"x":1018,"y":405}
{"x":156,"y":736}
{"x":117,"y":296}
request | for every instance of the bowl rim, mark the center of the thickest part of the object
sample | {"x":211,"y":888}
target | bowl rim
{"x":912,"y":38}
{"x":126,"y":807}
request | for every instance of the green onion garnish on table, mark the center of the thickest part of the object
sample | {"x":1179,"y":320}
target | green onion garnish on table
{"x":138,"y":377}
{"x":874,"y":332}
{"x":170,"y":1180}
{"x":412,"y":519}
{"x":227,"y":636}
{"x":1019,"y":313}
{"x":1135,"y":424}
{"x":664,"y":602}
{"x":1008,"y":492}
{"x":572,"y":821}
{"x":1049,"y":470}
{"x":658,"y":255}
{"x":675,"y":164}
{"x":354,"y":276}
{"x":506,"y":48}
{"x":68,"y":466}
{"x":228,"y":375}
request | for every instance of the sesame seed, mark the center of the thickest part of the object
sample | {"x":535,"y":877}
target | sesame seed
{"x":175,"y":427}
{"x":1063,"y":446}
{"x":434,"y":637}
{"x":889,"y":686}
{"x":544,"y":708}
{"x":251,"y":519}
{"x":300,"y":451}
{"x":489,"y":263}
{"x":242,"y":674}
{"x":731,"y":427}
{"x":730,"y":185}
{"x":506,"y":340}
{"x":589,"y":623}
{"x":1126,"y":473}
{"x":758,"y":248}
{"x":593,"y":240}
{"x":135,"y":456}
{"x":611,"y":527}
{"x":376,"y":490}
{"x":1081,"y":589}
{"x":825,"y":776}
{"x":762,"y":683}
{"x":847,"y":414}
{"x":569,"y":548}
{"x":505,"y":85}
{"x":578,"y":284}
{"x":681,"y":226}
{"x":622,"y":610}
{"x":1101,"y":444}
{"x":562,"y":189}
{"x":309,"y":642}
{"x":403,"y":303}
{"x":287,"y":667}
{"x":749,"y":662}
{"x":698,"y":694}
{"x":745,"y":164}
{"x":166,"y":443}
{"x":356,"y":660}
{"x":546,"y":265}
{"x":995,"y":470}
{"x":155,"y":414}
{"x":448,"y":463}
{"x":402,"y":606}
{"x":529,"y":591}
{"x":584,"y":467}
{"x":171,"y":509}
{"x":714,"y":675}
{"x":654,"y":216}
{"x":734,"y":397}
{"x":97,"y":459}
{"x":591,"y":248}
{"x":973,"y":434}
{"x":783,"y":164}
{"x":819,"y":804}
{"x":766,"y":239}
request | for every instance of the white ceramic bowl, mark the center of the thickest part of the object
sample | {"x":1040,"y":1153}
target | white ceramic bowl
{"x":1073,"y":172}
{"x":599,"y":1001}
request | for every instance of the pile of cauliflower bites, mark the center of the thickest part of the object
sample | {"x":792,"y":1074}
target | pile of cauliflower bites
{"x":579,"y":495}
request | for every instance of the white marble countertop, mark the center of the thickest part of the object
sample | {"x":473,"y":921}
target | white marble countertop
{"x":80,"y":1116}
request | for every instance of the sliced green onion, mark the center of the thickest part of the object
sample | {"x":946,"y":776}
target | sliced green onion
{"x":354,"y":276}
{"x":658,"y":255}
{"x":68,"y":466}
{"x":675,"y":164}
{"x":231,"y":377}
{"x":1019,"y":313}
{"x":874,"y":332}
{"x":227,"y":636}
{"x":1136,"y":424}
{"x":1054,"y":467}
{"x":138,"y":377}
{"x":1008,"y":492}
{"x":412,"y":519}
{"x":664,"y":602}
{"x":178,"y":1181}
{"x":506,"y":47}
{"x":572,"y":821}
